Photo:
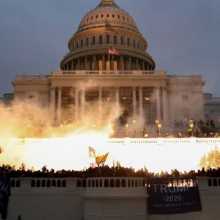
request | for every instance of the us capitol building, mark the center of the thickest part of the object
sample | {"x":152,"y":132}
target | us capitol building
{"x":108,"y":62}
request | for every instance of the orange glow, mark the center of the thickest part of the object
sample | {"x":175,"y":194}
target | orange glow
{"x":67,"y":146}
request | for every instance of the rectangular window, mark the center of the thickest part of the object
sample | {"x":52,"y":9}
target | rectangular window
{"x":122,"y":40}
{"x":93,"y":40}
{"x":128,"y":41}
{"x":100,"y":40}
{"x":115,"y":39}
{"x":107,"y":39}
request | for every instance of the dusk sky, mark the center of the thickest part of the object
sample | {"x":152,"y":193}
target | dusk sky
{"x":183,"y":35}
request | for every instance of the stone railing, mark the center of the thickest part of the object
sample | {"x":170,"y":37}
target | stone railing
{"x":117,"y":72}
{"x":92,"y":73}
{"x":31,"y":77}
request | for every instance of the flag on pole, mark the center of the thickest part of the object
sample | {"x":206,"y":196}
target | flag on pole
{"x":113,"y":51}
{"x":100,"y":160}
{"x":92,"y":152}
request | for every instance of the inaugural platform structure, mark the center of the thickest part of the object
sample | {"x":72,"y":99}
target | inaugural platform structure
{"x":108,"y":62}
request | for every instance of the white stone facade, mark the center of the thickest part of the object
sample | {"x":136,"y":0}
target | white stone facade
{"x":98,"y":198}
{"x":108,"y":61}
{"x":156,"y":96}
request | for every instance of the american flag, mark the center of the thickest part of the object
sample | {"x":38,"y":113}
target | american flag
{"x":113,"y":51}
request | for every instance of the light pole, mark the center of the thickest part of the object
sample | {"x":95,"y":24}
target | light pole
{"x":191,"y":126}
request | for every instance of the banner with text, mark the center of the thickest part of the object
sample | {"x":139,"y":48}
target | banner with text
{"x":173,"y":196}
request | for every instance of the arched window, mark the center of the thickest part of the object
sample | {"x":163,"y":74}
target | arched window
{"x":81,"y":43}
{"x":100,"y":39}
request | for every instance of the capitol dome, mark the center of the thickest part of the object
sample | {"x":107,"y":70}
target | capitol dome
{"x":107,"y":39}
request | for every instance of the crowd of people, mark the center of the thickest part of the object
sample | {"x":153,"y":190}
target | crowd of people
{"x":105,"y":171}
{"x":181,"y":129}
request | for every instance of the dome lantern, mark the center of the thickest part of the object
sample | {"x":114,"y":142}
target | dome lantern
{"x":104,"y":3}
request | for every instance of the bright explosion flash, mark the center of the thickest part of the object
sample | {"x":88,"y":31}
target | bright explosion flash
{"x":72,"y":152}
{"x":67,"y":147}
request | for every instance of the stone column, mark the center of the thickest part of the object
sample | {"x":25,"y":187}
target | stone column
{"x":100,"y":65}
{"x":129,"y":63}
{"x":100,"y":99}
{"x":108,"y":63}
{"x":52,"y":103}
{"x":136,"y":64}
{"x":82,"y":102}
{"x":165,"y":107}
{"x":122,"y":63}
{"x":86,"y":63}
{"x":59,"y":105}
{"x":134,"y":101}
{"x":117,"y":99}
{"x":158,"y":106}
{"x":76,"y":103}
{"x":115,"y":64}
{"x":93,"y":63}
{"x":77,"y":64}
{"x":141,"y":101}
{"x":103,"y":63}
{"x":142,"y":65}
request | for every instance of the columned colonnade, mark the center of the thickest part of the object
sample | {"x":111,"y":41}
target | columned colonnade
{"x":107,"y":62}
{"x":160,"y":98}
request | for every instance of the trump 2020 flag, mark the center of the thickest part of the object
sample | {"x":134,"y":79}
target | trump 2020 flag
{"x":4,"y":195}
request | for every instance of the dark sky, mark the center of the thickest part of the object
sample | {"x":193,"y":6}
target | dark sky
{"x":183,"y":35}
